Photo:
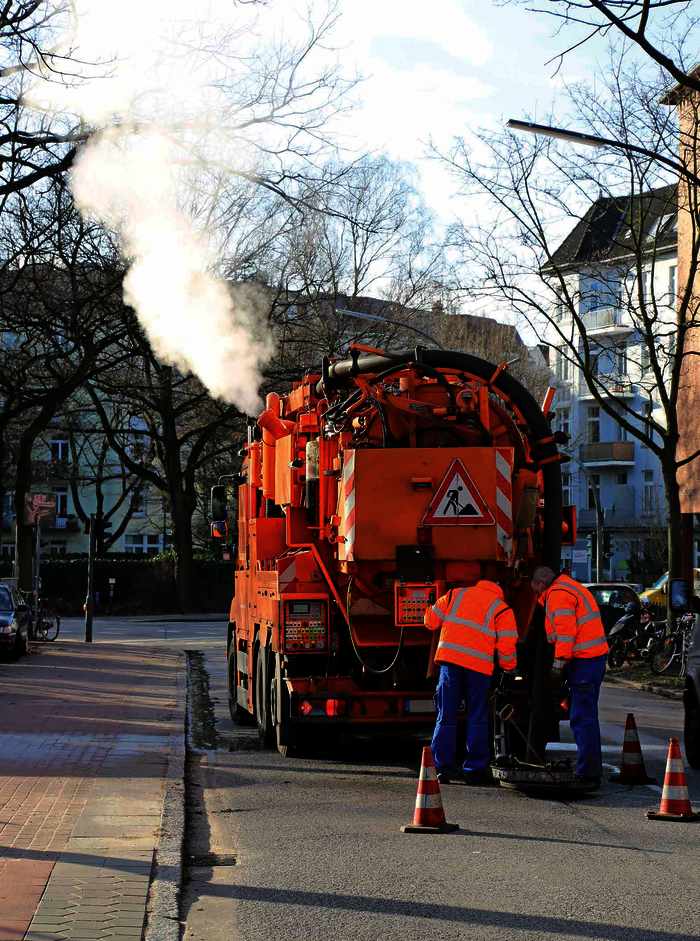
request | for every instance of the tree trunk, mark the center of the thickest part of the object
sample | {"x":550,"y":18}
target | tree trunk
{"x":181,"y":509}
{"x":25,"y":542}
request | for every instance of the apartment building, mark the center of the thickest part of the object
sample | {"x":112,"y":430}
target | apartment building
{"x":618,"y":263}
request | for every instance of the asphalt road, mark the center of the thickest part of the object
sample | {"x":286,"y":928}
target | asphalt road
{"x":311,"y":848}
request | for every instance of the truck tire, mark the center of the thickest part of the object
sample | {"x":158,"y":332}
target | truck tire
{"x":239,"y":715}
{"x":279,"y":710}
{"x":266,"y":731}
{"x":691,"y":732}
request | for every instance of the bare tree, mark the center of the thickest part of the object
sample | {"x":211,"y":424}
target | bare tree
{"x":620,"y":214}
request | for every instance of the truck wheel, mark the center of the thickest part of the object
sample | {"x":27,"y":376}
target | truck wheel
{"x":691,"y":731}
{"x":262,"y":698}
{"x":279,"y":710}
{"x":239,"y":715}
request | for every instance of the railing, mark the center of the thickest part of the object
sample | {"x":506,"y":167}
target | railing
{"x":69,"y":523}
{"x":607,"y":452}
{"x":605,"y":317}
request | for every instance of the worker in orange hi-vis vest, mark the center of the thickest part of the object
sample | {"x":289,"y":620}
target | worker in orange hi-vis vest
{"x":474,"y":623}
{"x":573,"y":624}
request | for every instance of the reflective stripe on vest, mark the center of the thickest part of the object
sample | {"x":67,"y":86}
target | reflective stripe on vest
{"x":469,"y":651}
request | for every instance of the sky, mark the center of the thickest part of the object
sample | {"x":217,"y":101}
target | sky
{"x":433,"y":76}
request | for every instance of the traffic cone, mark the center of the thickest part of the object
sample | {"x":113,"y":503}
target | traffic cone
{"x":632,"y":769}
{"x":675,"y":803}
{"x":429,"y":816}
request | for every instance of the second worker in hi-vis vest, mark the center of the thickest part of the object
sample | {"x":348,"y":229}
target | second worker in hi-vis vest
{"x":474,"y":623}
{"x":572,"y":620}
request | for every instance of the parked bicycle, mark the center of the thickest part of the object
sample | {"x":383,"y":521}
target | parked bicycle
{"x":48,"y":622}
{"x":671,"y":652}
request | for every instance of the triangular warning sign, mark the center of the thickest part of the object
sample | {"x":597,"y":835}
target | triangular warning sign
{"x":457,"y":501}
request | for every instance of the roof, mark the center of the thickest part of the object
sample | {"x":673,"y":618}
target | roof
{"x":676,"y":94}
{"x":615,"y":226}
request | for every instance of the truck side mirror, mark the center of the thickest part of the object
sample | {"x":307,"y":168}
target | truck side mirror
{"x":679,"y":595}
{"x":218,"y":504}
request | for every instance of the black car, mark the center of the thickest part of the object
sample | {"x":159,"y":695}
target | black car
{"x":15,"y":622}
{"x":612,"y":598}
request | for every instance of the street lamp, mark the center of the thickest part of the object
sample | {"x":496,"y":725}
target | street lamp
{"x":397,"y":323}
{"x":590,"y":140}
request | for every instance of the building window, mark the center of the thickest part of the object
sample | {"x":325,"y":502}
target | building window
{"x":61,"y":500}
{"x":58,"y":546}
{"x":563,"y":367}
{"x":593,"y":416}
{"x":648,"y":496}
{"x":566,"y":489}
{"x":622,"y":478}
{"x":620,"y":432}
{"x":672,"y":286}
{"x":140,"y":503}
{"x":59,"y":450}
{"x":593,"y":485}
{"x":595,"y":296}
{"x":644,"y":360}
{"x":621,"y":359}
{"x":142,"y":544}
{"x":564,"y":416}
{"x":8,"y":550}
{"x":559,"y":305}
{"x":8,"y":507}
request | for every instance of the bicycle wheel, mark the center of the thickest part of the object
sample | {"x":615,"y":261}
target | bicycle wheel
{"x":666,"y":654}
{"x":50,"y":624}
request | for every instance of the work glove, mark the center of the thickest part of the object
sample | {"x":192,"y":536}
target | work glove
{"x":558,"y":676}
{"x":505,"y":682}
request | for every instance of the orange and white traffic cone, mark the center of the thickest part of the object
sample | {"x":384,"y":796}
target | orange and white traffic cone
{"x":429,"y":816}
{"x":675,"y":803}
{"x":632,"y":768}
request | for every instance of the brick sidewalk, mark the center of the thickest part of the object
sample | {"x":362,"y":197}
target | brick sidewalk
{"x":81,"y":767}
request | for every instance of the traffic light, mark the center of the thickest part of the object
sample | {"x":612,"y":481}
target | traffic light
{"x":101,"y":525}
{"x":608,"y":546}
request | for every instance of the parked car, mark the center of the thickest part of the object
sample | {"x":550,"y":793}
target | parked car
{"x":691,"y":699}
{"x":658,"y":593}
{"x":15,"y":622}
{"x":612,"y":598}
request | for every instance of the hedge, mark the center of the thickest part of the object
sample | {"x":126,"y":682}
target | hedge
{"x":142,"y":586}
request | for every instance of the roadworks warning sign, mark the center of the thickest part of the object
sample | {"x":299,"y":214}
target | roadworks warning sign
{"x":457,"y":501}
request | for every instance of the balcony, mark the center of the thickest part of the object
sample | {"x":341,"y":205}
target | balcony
{"x":606,"y":320}
{"x":604,"y":453}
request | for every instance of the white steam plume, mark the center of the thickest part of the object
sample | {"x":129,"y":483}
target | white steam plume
{"x":165,"y":71}
{"x":193,"y":320}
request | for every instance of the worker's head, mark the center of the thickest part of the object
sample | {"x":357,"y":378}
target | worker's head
{"x":541,"y":579}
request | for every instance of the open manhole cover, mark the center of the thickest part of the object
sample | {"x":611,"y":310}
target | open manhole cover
{"x":212,"y":859}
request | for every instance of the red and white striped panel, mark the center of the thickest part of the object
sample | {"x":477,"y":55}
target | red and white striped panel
{"x":504,"y":502}
{"x":346,"y":549}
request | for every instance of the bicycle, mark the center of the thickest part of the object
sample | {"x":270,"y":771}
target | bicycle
{"x":672,"y":650}
{"x":48,"y":622}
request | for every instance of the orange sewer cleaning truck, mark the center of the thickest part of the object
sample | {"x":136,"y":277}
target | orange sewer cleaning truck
{"x":373,"y":487}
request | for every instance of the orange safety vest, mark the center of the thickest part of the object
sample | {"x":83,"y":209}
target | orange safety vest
{"x":573,"y":620}
{"x":474,"y":622}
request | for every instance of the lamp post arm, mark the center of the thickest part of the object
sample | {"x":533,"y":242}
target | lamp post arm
{"x":590,"y":140}
{"x":397,"y":323}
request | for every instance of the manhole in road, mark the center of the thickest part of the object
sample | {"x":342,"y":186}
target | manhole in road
{"x":211,"y":859}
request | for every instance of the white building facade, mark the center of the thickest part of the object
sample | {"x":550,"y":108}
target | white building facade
{"x":607,"y":289}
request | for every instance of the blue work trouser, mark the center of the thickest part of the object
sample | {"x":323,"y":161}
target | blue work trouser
{"x":456,"y":684}
{"x":585,"y":677}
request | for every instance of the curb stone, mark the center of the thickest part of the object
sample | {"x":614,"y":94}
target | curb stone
{"x":676,"y":694}
{"x":164,"y":901}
